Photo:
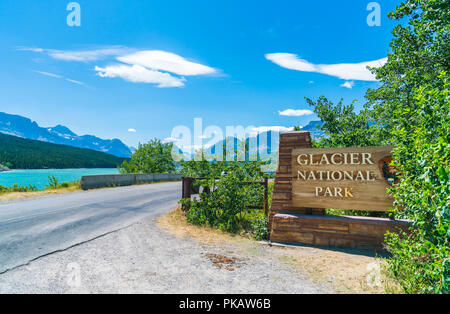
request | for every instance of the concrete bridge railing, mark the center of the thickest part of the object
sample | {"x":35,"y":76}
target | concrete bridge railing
{"x":100,"y":181}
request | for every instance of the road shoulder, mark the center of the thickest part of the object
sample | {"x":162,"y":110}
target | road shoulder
{"x":146,"y":258}
{"x":344,"y":270}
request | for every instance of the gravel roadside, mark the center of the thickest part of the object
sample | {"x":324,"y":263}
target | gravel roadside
{"x":144,"y":258}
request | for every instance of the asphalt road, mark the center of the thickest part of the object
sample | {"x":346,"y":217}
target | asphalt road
{"x":35,"y":227}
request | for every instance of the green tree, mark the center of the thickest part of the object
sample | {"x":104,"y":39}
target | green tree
{"x":343,"y":126}
{"x":420,"y":53}
{"x":412,"y":106}
{"x":410,"y":109}
{"x":152,"y":157}
{"x":422,"y":158}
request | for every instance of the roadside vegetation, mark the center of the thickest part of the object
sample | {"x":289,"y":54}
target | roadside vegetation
{"x":226,"y":194}
{"x":152,"y":157}
{"x":410,"y":110}
{"x":53,"y":187}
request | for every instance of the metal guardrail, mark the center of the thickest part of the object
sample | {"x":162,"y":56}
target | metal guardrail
{"x":99,"y":181}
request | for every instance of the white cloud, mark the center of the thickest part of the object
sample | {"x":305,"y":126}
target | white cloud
{"x":49,"y":74}
{"x":59,"y":77}
{"x":74,"y":81}
{"x":346,"y":71}
{"x":132,"y":130}
{"x":348,"y":84}
{"x":159,"y":67}
{"x":82,"y":55}
{"x":139,"y":74}
{"x":295,"y":112}
{"x":166,"y":61}
{"x":274,"y":128}
{"x":170,"y":139}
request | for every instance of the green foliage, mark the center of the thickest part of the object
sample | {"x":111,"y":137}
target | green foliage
{"x":211,"y":169}
{"x":423,"y":195}
{"x":343,"y":126}
{"x":52,"y":182}
{"x":417,"y":265}
{"x":31,"y":154}
{"x":5,"y":165}
{"x":65,"y":185}
{"x":412,"y":105}
{"x":363,"y":213}
{"x":410,"y":109}
{"x":224,"y":202}
{"x":200,"y":167}
{"x":420,"y":53}
{"x":17,"y":188}
{"x":260,"y":229}
{"x":152,"y":157}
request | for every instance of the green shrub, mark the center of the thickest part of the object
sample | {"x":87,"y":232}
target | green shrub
{"x":17,"y":188}
{"x":423,"y":195}
{"x":260,"y":229}
{"x":65,"y":185}
{"x":418,"y":266}
{"x":52,"y":183}
{"x":224,"y":202}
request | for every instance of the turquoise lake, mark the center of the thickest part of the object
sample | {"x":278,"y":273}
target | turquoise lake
{"x":39,"y":177}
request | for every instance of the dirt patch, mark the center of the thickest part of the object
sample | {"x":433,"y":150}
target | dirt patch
{"x":175,"y":222}
{"x":17,"y":195}
{"x":221,"y":261}
{"x":347,"y":271}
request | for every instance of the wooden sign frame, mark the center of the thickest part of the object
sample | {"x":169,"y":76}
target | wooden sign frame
{"x":298,"y":216}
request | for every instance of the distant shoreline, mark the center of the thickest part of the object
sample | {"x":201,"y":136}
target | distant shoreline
{"x":40,"y":177}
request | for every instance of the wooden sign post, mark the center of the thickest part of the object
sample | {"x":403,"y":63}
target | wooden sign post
{"x":309,"y":180}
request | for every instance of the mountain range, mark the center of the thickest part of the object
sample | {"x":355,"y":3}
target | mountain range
{"x":271,"y":139}
{"x":23,"y":127}
{"x":266,"y":142}
{"x":313,"y":129}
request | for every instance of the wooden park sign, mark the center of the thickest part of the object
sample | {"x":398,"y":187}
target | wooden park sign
{"x":309,"y":180}
{"x":344,"y":178}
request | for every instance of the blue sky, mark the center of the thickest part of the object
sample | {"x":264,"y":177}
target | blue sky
{"x":153,"y":65}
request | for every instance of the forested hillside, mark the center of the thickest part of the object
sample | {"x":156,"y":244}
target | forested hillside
{"x":30,"y":154}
